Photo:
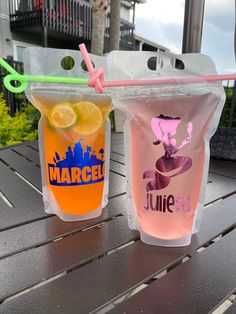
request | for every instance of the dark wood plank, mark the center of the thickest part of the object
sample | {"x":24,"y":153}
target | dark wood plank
{"x":117,"y":273}
{"x":28,"y":152}
{"x":223,"y":167}
{"x":46,"y":230}
{"x":27,"y":169}
{"x":117,"y":157}
{"x":27,"y":202}
{"x":117,"y":168}
{"x":196,"y":286}
{"x":216,"y":219}
{"x":221,"y":225}
{"x":19,"y":193}
{"x":219,"y":187}
{"x":117,"y":148}
{"x":30,"y":267}
{"x":3,"y":205}
{"x":116,"y":185}
{"x":231,"y":309}
{"x":97,"y":283}
{"x":117,"y":136}
{"x":34,"y":145}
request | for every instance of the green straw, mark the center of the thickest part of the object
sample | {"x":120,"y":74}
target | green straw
{"x":23,"y":79}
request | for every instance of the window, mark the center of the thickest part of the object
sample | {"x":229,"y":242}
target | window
{"x":18,"y":49}
{"x":19,"y":53}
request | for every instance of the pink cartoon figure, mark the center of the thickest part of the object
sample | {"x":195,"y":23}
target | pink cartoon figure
{"x":165,"y":129}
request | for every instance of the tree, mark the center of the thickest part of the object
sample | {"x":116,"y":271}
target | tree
{"x":114,"y":36}
{"x":99,"y":11}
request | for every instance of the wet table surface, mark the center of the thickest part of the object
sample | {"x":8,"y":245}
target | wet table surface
{"x":100,"y":265}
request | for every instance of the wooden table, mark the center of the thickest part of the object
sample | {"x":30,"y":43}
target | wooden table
{"x":49,"y":266}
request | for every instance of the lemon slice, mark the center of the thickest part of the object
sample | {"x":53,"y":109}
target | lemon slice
{"x":62,"y":116}
{"x":90,"y":117}
{"x":105,"y":109}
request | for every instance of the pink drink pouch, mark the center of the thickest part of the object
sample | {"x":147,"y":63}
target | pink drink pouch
{"x":167,"y":135}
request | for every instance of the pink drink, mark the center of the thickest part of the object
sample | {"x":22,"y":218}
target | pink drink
{"x":167,"y":151}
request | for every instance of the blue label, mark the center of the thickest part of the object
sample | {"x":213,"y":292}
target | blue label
{"x":77,"y":166}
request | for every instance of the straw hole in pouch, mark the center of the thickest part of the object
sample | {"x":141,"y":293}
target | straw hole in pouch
{"x":84,"y":66}
{"x":67,"y":63}
{"x":179,"y":65}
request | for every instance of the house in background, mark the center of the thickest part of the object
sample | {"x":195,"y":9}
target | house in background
{"x":63,"y":24}
{"x":141,"y":43}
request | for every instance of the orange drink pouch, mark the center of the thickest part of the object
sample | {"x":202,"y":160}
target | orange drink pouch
{"x":167,"y":135}
{"x":74,"y":135}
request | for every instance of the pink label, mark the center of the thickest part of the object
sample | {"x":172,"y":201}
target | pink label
{"x":165,"y":129}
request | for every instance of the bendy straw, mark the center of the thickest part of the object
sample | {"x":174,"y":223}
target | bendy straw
{"x":23,"y":79}
{"x":96,"y":78}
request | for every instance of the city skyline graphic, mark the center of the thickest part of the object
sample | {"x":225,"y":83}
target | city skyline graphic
{"x":78,"y":156}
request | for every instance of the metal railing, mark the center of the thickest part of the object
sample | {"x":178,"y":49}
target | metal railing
{"x":14,"y":101}
{"x":126,"y":35}
{"x":71,"y":17}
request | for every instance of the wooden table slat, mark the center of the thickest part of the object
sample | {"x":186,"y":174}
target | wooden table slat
{"x":80,"y":292}
{"x":28,"y":152}
{"x":117,"y":157}
{"x":194,"y":287}
{"x":117,"y":168}
{"x":62,"y":255}
{"x":225,"y":168}
{"x":219,"y":187}
{"x":126,"y":268}
{"x":38,"y":247}
{"x":231,"y":309}
{"x":15,"y":189}
{"x":222,"y":213}
{"x":27,"y":169}
{"x":43,"y":231}
{"x":34,"y":145}
{"x":117,"y":148}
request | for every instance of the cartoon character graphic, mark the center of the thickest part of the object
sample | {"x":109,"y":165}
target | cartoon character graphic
{"x":165,"y":129}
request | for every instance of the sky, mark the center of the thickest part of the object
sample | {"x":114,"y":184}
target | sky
{"x":162,"y":21}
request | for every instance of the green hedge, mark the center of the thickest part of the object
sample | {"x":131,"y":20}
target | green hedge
{"x":224,"y":120}
{"x":22,"y":127}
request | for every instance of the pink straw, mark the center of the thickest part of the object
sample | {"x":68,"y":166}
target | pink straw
{"x":97,"y":77}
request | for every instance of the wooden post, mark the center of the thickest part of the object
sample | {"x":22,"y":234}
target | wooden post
{"x":45,"y":31}
{"x":45,"y":36}
{"x":114,"y":35}
{"x":10,"y":96}
{"x":193,"y":22}
{"x":99,"y":11}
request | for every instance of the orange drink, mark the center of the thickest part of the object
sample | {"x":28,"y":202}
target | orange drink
{"x":74,"y":153}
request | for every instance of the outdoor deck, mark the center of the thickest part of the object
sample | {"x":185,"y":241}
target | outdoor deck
{"x":49,"y":266}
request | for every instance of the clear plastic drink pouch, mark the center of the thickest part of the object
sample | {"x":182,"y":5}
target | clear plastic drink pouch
{"x":167,"y":135}
{"x":74,"y":135}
